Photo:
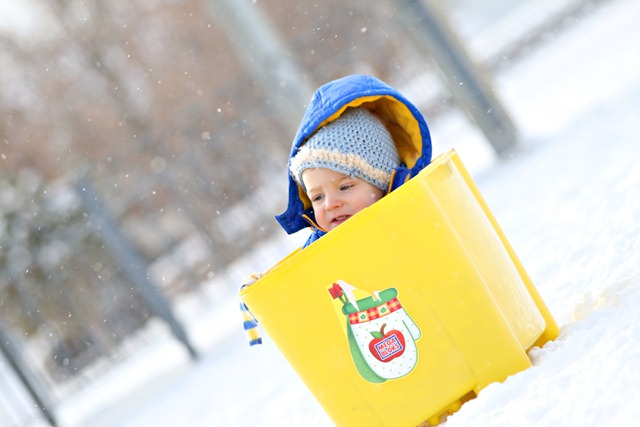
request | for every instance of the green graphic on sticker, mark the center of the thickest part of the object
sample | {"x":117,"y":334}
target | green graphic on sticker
{"x":381,"y":334}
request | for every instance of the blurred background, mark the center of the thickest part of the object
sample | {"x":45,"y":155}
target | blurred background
{"x":143,"y":147}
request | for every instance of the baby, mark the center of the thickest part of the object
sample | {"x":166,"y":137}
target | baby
{"x":344,"y":167}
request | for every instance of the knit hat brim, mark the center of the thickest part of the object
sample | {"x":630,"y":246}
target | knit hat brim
{"x":349,"y":164}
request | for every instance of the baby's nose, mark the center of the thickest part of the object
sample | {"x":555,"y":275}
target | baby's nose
{"x":333,"y":201}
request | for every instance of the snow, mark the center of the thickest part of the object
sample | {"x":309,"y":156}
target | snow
{"x":568,"y":202}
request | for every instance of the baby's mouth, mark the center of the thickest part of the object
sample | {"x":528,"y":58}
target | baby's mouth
{"x":340,"y":219}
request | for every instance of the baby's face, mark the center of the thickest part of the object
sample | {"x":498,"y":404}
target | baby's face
{"x":336,"y":197}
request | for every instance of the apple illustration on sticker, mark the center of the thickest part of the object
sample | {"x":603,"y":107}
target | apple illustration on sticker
{"x":386,"y":347}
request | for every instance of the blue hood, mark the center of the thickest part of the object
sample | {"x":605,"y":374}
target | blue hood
{"x":405,"y":123}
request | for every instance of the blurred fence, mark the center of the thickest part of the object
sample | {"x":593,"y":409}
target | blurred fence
{"x":189,"y":182}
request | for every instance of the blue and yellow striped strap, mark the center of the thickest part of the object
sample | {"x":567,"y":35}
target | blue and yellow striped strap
{"x":250,"y":326}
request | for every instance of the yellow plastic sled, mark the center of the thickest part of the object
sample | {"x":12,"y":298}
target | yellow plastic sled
{"x":408,"y":309}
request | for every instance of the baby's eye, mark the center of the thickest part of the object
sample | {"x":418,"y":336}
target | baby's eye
{"x":316,"y":198}
{"x":345,"y":187}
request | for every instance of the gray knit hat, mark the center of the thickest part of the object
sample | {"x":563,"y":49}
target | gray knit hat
{"x":356,"y":144}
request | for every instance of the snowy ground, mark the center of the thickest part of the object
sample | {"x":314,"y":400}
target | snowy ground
{"x":568,"y":202}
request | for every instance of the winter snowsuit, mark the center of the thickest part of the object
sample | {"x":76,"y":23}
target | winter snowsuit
{"x":406,"y":124}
